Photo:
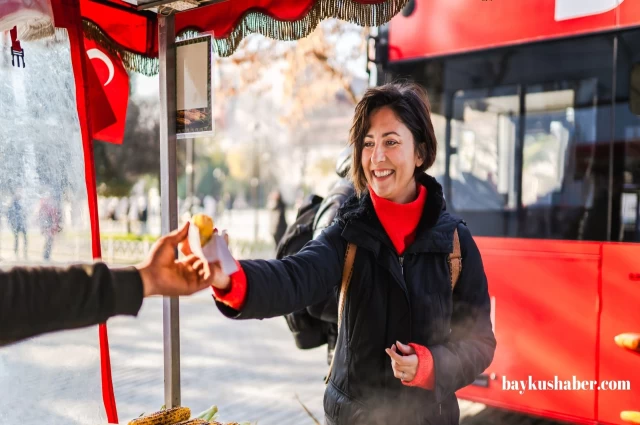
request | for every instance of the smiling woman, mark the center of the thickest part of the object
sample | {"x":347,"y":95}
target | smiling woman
{"x":392,"y":143}
{"x":413,"y":332}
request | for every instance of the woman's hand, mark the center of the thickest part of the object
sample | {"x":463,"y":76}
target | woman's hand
{"x":405,"y":366}
{"x":210,"y":272}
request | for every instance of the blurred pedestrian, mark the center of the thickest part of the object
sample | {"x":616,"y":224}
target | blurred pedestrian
{"x":17,"y":219}
{"x":50,"y":218}
{"x":278,"y":218}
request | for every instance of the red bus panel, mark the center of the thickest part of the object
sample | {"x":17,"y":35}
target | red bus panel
{"x":437,"y":28}
{"x":620,"y":313}
{"x":544,"y":295}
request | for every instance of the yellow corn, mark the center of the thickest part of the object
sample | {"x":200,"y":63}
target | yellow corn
{"x":204,"y":223}
{"x":196,"y":421}
{"x":164,"y":417}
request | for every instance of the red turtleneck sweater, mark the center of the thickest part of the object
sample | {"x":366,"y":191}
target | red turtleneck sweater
{"x":399,"y":222}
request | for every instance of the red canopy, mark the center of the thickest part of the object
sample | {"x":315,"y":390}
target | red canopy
{"x":120,"y":27}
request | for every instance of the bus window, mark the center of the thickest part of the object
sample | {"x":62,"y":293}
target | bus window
{"x":558,"y":185}
{"x":625,"y":202}
{"x":483,"y":135}
{"x":482,"y":161}
{"x":634,"y":89}
{"x":437,"y":170}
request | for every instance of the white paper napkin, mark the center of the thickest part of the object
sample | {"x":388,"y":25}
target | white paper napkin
{"x":215,"y":250}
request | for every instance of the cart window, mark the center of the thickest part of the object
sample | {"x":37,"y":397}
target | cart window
{"x":44,"y":220}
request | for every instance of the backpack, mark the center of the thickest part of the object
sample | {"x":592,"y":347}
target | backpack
{"x":301,"y":230}
{"x":316,"y":213}
{"x":308,"y":331}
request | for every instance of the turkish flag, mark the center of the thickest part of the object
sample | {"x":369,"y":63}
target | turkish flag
{"x":108,"y":94}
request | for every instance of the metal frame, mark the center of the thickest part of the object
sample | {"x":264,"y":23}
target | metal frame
{"x":146,"y":5}
{"x":169,"y":199}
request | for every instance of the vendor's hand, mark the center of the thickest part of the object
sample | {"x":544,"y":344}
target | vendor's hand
{"x":209,"y":272}
{"x":162,"y":274}
{"x":405,"y":367}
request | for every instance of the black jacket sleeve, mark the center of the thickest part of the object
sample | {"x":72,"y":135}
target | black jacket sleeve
{"x":37,"y":300}
{"x":471,"y":345}
{"x":279,"y":287}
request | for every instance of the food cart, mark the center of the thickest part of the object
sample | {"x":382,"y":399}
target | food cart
{"x":140,"y":35}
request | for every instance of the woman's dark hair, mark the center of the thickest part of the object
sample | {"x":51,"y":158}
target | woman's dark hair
{"x":410,"y":104}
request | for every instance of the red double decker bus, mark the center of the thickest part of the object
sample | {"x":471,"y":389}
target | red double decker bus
{"x":536,"y":107}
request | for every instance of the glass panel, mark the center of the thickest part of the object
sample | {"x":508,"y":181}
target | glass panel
{"x":559,"y":154}
{"x":634,"y":89}
{"x":44,"y":219}
{"x":626,"y":182}
{"x":437,"y":170}
{"x":483,"y":135}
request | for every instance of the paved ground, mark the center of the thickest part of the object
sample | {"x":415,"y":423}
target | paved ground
{"x":251,"y":370}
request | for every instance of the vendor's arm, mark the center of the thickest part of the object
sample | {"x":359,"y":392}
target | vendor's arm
{"x":37,"y":300}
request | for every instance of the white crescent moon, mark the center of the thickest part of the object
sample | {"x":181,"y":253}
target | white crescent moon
{"x":99,"y":54}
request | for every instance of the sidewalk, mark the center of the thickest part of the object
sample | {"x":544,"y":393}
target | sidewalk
{"x":251,"y":369}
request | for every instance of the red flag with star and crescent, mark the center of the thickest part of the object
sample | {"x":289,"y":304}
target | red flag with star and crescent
{"x":108,"y":93}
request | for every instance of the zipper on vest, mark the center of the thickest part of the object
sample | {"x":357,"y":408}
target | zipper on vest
{"x":401,"y":260}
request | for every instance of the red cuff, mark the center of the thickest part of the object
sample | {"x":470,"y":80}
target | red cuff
{"x":235,"y":296}
{"x":425,"y":377}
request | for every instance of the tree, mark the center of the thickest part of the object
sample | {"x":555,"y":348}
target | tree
{"x":329,"y":63}
{"x":301,"y":94}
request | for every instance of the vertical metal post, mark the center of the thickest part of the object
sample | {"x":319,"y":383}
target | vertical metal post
{"x":168,"y":189}
{"x":189,"y":173}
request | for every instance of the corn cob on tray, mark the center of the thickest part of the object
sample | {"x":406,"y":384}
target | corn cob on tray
{"x":181,"y":416}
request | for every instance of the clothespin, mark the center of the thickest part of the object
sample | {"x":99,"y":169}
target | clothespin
{"x":16,"y":50}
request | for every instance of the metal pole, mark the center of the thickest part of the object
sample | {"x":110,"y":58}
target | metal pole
{"x":189,"y":174}
{"x":168,"y":189}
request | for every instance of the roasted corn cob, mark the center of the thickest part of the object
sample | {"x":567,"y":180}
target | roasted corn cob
{"x":164,"y":417}
{"x":196,"y":421}
{"x":204,"y":223}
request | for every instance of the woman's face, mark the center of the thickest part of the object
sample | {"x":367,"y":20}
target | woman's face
{"x":389,"y":157}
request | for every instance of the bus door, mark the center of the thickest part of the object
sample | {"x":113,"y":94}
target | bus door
{"x":619,"y":350}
